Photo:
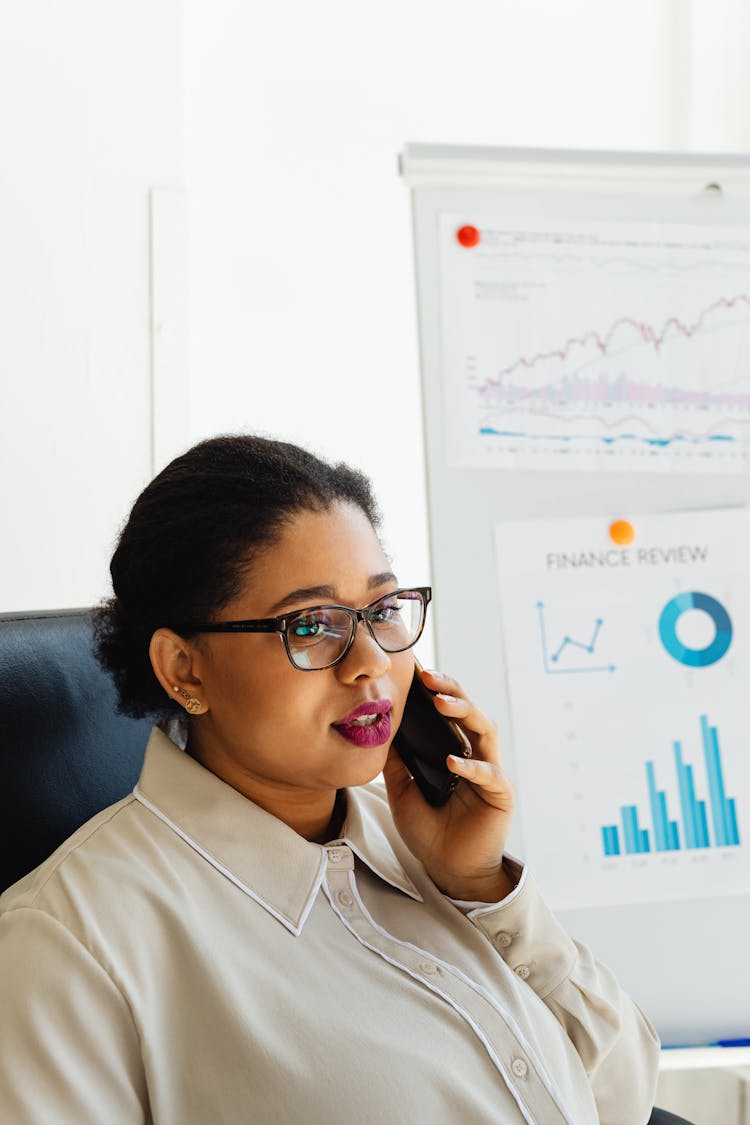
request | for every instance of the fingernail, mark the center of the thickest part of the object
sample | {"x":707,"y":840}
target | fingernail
{"x":432,"y":672}
{"x":447,"y":698}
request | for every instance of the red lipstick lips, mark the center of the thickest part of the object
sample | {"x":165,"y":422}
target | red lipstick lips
{"x":367,"y":725}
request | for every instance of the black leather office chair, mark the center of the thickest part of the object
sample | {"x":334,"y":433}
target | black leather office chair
{"x":65,"y":753}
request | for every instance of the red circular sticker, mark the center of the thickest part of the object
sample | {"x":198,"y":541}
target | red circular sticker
{"x":468,"y":236}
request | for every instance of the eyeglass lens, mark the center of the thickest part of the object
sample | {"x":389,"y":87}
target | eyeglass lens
{"x":318,"y":637}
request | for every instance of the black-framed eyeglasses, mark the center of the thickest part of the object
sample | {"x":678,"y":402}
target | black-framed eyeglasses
{"x":321,"y":636}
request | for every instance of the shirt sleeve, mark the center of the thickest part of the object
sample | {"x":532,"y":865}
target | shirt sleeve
{"x":69,"y":1049}
{"x":617,"y":1044}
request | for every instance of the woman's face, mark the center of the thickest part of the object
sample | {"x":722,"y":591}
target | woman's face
{"x":270,"y":726}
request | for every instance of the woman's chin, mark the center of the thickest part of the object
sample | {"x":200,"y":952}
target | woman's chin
{"x":365,"y":765}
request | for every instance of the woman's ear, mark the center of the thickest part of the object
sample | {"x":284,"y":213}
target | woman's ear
{"x":175,"y":667}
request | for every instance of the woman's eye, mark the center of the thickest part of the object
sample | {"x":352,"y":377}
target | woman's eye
{"x":308,"y":628}
{"x":389,"y":612}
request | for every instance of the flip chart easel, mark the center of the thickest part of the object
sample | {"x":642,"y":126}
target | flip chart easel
{"x":684,"y":961}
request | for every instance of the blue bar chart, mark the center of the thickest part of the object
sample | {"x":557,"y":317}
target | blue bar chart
{"x":693,"y":827}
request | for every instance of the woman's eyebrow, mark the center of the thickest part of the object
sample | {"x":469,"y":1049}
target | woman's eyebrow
{"x":381,"y":579}
{"x":314,"y":594}
{"x":304,"y":594}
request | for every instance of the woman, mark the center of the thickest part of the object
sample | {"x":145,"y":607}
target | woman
{"x":262,"y":932}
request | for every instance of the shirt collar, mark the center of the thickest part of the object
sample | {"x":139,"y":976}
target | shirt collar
{"x":255,"y":850}
{"x":367,"y":817}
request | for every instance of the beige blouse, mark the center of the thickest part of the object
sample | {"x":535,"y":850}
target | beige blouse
{"x":188,"y":959}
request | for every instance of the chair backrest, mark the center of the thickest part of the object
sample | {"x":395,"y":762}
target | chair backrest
{"x":65,"y":753}
{"x":664,"y":1117}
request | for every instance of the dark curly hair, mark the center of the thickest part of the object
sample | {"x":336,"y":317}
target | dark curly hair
{"x":191,"y":537}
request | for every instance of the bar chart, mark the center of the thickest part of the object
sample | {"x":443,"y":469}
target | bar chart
{"x":692,"y":828}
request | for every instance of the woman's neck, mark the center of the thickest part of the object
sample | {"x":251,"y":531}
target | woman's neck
{"x":336,"y":823}
{"x":317,"y":815}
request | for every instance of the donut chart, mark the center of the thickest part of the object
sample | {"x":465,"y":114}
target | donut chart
{"x":695,"y":657}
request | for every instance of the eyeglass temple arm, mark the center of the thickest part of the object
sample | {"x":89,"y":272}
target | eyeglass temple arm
{"x":263,"y":625}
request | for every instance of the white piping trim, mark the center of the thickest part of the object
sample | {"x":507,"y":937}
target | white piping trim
{"x":296,"y":930}
{"x":494,"y":1003}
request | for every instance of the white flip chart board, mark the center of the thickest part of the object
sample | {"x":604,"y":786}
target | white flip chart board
{"x":584,"y":326}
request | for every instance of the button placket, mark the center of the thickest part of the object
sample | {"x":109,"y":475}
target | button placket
{"x":339,"y":879}
{"x":485,"y":1019}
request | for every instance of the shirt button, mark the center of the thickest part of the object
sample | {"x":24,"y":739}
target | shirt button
{"x":334,"y":855}
{"x":345,"y":898}
{"x":523,"y":971}
{"x":519,"y":1068}
{"x":504,"y":940}
{"x":428,"y":967}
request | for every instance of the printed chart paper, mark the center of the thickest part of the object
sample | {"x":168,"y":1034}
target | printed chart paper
{"x":629,"y":680}
{"x":614,"y":345}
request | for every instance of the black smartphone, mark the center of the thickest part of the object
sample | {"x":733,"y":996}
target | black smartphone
{"x":424,"y":739}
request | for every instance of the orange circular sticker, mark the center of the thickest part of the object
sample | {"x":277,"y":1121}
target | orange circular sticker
{"x":622,"y":533}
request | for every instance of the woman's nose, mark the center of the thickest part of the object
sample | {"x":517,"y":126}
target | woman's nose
{"x":365,"y":657}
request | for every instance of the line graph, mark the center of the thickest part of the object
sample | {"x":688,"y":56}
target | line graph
{"x":612,"y":390}
{"x":616,"y":439}
{"x":553,"y":658}
{"x":644,"y":333}
{"x":578,"y":345}
{"x":607,"y":422}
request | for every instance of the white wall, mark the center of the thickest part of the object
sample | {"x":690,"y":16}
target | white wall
{"x":91,"y":111}
{"x":302,"y":310}
{"x":717,"y":101}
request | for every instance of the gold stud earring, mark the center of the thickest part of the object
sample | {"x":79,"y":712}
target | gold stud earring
{"x":193,"y":705}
